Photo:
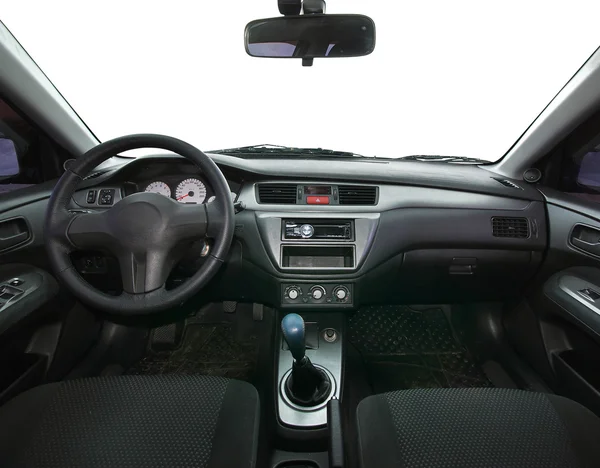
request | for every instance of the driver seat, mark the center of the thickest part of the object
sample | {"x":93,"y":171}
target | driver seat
{"x":154,"y":421}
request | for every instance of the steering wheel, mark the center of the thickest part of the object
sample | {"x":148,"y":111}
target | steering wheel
{"x":147,"y":232}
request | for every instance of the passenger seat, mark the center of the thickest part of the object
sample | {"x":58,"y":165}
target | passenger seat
{"x":476,"y":427}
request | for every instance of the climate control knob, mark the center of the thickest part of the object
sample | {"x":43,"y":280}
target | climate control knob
{"x":341,"y":293}
{"x":293,"y":293}
{"x":317,"y":292}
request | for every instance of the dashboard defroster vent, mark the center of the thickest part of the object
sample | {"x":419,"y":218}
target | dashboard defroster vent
{"x":357,"y":195}
{"x":516,"y":228}
{"x":507,"y":183}
{"x":95,"y":174}
{"x":280,"y":194}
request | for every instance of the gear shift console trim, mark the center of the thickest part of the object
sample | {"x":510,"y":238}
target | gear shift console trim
{"x":326,"y":358}
{"x":283,"y":393}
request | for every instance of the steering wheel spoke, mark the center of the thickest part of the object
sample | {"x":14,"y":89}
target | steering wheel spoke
{"x":88,"y":230}
{"x":215,"y":219}
{"x":143,"y":272}
{"x":189,"y":222}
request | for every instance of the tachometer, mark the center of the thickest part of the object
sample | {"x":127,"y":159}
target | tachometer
{"x":190,"y":191}
{"x":159,"y":187}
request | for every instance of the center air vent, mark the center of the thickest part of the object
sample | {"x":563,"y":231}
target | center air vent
{"x":357,"y":195}
{"x":280,"y":194}
{"x":516,"y":228}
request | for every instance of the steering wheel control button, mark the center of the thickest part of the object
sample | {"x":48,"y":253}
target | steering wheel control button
{"x":330,"y":335}
{"x":307,"y":231}
{"x":106,"y":197}
{"x":91,"y":196}
{"x":317,"y":200}
{"x":317,"y":293}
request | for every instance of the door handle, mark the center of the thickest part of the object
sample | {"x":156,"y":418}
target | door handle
{"x":13,"y":232}
{"x":586,"y":238}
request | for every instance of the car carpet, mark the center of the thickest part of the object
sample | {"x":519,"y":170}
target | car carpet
{"x":403,"y":348}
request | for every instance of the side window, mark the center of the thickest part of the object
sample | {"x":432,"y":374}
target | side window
{"x":22,"y":148}
{"x":573,"y":167}
{"x":580,"y":174}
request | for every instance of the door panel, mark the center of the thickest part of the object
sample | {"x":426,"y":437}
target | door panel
{"x":29,"y":294}
{"x":561,"y":340}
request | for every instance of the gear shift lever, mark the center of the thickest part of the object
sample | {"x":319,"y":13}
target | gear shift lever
{"x":294,"y":333}
{"x":307,"y":385}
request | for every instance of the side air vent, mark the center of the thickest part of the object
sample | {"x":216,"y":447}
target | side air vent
{"x":507,"y":183}
{"x":281,"y":194}
{"x":516,"y":228}
{"x":357,"y":195}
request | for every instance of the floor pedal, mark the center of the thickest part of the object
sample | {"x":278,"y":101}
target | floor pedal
{"x":229,"y":307}
{"x":258,"y":312}
{"x":167,"y":337}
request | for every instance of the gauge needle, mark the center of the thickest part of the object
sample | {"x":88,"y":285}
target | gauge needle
{"x":183,"y":196}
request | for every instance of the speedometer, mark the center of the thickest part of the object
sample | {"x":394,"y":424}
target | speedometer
{"x":159,"y":187}
{"x":190,"y":191}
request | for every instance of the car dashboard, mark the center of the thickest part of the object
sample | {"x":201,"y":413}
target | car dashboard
{"x":341,"y":234}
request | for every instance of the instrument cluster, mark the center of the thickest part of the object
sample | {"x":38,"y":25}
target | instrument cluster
{"x":189,"y":190}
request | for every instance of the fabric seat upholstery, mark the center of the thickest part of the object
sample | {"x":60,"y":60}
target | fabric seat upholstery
{"x":476,"y":427}
{"x":130,"y":421}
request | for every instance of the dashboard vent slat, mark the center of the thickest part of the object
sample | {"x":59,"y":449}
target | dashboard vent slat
{"x":515,"y":228}
{"x":357,"y":195}
{"x":280,"y":194}
{"x":95,"y":174}
{"x":507,"y":183}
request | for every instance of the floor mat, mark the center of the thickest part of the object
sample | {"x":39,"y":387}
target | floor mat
{"x":210,"y":345}
{"x":404,"y":348}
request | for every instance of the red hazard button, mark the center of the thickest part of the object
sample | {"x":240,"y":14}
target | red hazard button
{"x":320,"y":200}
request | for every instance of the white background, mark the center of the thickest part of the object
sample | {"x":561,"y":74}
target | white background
{"x":447,"y":77}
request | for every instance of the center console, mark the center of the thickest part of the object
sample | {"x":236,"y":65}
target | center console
{"x":319,"y":244}
{"x":318,"y":252}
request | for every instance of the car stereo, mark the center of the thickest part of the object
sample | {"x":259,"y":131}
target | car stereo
{"x":321,"y":229}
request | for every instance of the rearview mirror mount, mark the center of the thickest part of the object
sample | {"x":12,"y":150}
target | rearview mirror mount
{"x":311,"y":36}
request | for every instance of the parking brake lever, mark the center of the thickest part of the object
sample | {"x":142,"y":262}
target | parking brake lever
{"x":336,"y":439}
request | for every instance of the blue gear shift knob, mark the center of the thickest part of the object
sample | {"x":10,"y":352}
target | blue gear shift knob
{"x":294,"y":333}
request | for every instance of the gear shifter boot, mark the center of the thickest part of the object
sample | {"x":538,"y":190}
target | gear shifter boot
{"x":307,"y":385}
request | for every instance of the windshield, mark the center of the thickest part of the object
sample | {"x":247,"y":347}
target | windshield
{"x":446,"y":78}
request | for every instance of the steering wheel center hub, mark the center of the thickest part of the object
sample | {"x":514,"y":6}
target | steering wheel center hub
{"x":141,"y":218}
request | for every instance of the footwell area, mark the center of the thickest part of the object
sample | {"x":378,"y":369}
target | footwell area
{"x":405,"y":348}
{"x":213,"y":343}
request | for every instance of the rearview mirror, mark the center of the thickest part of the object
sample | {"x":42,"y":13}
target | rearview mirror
{"x":311,"y":36}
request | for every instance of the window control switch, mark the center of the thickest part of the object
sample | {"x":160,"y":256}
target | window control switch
{"x":590,"y":294}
